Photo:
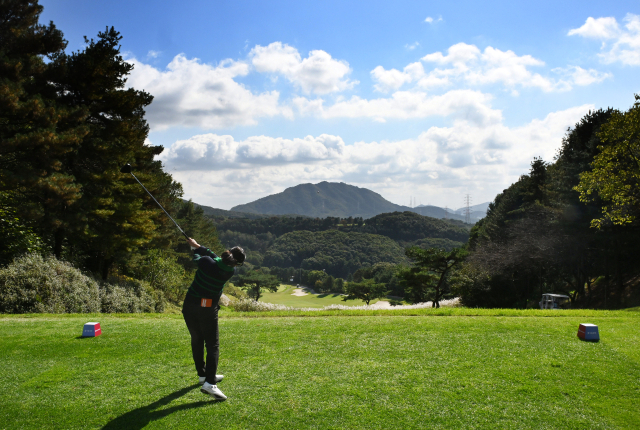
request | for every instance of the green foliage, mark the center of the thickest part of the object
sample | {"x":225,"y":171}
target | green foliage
{"x":366,"y":290}
{"x":426,"y":280}
{"x":336,"y":252}
{"x":410,"y":226}
{"x":615,"y":174}
{"x":231,"y":290}
{"x":18,"y":238}
{"x":536,"y":238}
{"x":129,"y":296}
{"x":257,"y":280}
{"x":161,"y":270}
{"x":36,"y":284}
{"x":32,"y":283}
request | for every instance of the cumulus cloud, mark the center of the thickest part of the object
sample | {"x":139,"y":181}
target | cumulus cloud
{"x":319,"y":73}
{"x":213,"y":152}
{"x":472,"y":106}
{"x":618,"y":44}
{"x":469,"y":65}
{"x":442,"y":161}
{"x":192,"y":94}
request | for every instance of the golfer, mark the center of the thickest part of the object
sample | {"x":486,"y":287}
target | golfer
{"x":200,"y":310}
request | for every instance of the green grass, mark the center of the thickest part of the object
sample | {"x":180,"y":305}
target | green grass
{"x":376,"y":371}
{"x":283,"y":297}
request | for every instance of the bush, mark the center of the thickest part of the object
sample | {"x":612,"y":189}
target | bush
{"x":250,"y":305}
{"x":130,"y":296}
{"x":161,"y":270}
{"x":32,"y":283}
{"x":232,"y":290}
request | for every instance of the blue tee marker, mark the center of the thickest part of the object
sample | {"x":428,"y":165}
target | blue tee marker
{"x":588,"y":332}
{"x":91,"y":329}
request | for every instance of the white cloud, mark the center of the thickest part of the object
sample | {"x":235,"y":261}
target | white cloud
{"x":319,"y":73}
{"x":412,"y":46}
{"x":469,"y":105}
{"x":191,"y":94}
{"x":213,"y":152}
{"x":430,"y":20}
{"x":439,"y":163}
{"x":583,"y":77}
{"x":618,"y":44}
{"x":601,"y":28}
{"x":153,"y":54}
{"x":469,"y":65}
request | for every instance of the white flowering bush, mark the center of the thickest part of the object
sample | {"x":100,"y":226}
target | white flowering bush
{"x":250,"y":305}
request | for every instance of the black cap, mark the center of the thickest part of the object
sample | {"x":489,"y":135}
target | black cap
{"x":238,"y":254}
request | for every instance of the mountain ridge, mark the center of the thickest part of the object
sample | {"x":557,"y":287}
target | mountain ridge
{"x":337,"y":199}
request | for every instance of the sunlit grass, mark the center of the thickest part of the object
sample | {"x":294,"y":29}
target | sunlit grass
{"x":284,"y":297}
{"x":522,"y":370}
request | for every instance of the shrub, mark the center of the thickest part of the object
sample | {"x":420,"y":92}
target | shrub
{"x":232,"y":290}
{"x":130,"y":296}
{"x":250,"y":305}
{"x":161,"y":270}
{"x":32,"y":283}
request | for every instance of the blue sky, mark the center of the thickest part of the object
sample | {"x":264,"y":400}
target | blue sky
{"x":418,"y":101}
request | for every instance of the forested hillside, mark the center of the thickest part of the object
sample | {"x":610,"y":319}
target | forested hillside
{"x":406,"y":228}
{"x":559,"y":230}
{"x":336,"y":252}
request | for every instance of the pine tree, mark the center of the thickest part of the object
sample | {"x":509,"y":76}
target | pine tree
{"x":36,"y":131}
{"x":118,"y":215}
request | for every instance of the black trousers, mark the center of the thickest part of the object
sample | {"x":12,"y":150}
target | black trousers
{"x":203,"y":327}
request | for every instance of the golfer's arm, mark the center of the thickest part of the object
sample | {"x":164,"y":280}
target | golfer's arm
{"x":205,"y":252}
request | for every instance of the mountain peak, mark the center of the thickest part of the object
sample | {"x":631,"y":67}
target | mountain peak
{"x":333,"y":199}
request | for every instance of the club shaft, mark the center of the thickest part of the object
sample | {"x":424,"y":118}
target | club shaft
{"x":154,"y":199}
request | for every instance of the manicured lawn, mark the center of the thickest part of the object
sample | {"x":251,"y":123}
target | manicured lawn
{"x":369,"y":371}
{"x":284,"y":297}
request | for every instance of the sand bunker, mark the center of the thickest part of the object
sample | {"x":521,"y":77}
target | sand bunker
{"x":303,"y":291}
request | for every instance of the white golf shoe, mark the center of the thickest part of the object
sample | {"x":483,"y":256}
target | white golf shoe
{"x":213,"y":390}
{"x":204,"y":378}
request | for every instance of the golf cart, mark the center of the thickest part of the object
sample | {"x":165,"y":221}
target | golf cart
{"x":555,"y":301}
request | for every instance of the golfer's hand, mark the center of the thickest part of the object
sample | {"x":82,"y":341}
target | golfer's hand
{"x":193,"y":244}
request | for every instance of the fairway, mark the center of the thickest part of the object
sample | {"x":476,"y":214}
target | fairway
{"x":285,"y":297}
{"x":373,"y":372}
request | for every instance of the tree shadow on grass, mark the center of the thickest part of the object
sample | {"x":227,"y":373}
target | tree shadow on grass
{"x":332,"y":295}
{"x":141,"y":417}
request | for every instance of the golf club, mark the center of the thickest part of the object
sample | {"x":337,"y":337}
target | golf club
{"x":127,"y":169}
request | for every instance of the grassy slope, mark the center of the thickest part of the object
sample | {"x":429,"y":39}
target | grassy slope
{"x":325,"y":372}
{"x":284,"y":297}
